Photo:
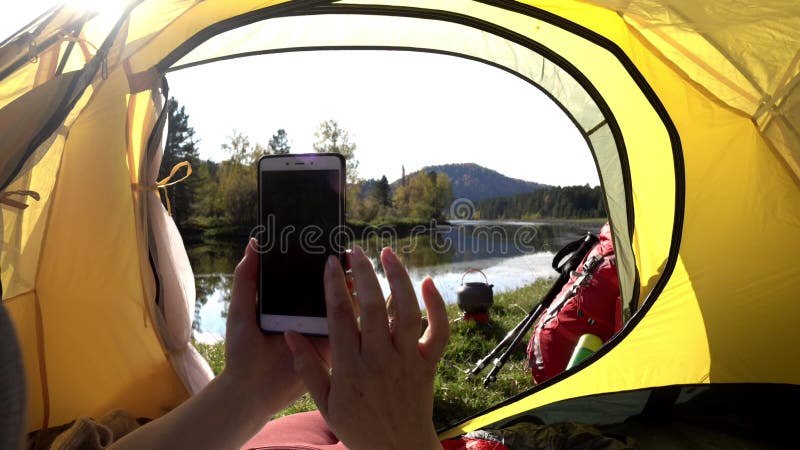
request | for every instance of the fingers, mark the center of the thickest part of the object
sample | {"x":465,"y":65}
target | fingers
{"x":311,"y":368}
{"x":245,"y":284}
{"x":433,"y":342}
{"x":348,"y":273}
{"x":342,"y":328}
{"x":351,"y":288}
{"x":407,"y":316}
{"x":374,"y":323}
{"x":322,"y":345}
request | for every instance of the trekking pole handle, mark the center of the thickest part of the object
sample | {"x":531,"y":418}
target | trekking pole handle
{"x":575,"y":258}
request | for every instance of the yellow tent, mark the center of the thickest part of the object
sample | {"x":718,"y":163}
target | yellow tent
{"x":690,"y":108}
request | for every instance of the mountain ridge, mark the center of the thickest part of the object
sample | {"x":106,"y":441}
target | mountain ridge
{"x":475,"y":182}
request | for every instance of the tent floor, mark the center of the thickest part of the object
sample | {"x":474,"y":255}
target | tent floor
{"x":718,"y":416}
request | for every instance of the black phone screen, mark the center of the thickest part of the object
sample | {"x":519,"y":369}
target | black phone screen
{"x":300,"y":211}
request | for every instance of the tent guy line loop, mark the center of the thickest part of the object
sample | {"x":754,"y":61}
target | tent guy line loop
{"x":164,"y":183}
{"x":83,"y":43}
{"x":6,"y":200}
{"x":34,"y":51}
{"x":79,"y":40}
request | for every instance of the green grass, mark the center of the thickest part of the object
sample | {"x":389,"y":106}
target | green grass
{"x":214,"y":354}
{"x":456,"y":397}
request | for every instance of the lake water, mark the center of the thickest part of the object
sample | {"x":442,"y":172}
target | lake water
{"x":510,"y":254}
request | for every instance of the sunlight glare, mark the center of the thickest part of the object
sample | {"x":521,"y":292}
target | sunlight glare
{"x":98,"y":6}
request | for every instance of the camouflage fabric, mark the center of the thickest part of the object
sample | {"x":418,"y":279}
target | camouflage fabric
{"x":573,"y":436}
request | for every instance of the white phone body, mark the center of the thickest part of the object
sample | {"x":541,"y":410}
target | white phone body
{"x":300,"y":192}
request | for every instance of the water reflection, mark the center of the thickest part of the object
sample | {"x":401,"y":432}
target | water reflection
{"x":213,"y":263}
{"x":445,"y":255}
{"x":474,"y":241}
{"x":214,"y":287}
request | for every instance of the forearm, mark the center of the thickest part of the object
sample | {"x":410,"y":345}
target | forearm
{"x":221,"y":416}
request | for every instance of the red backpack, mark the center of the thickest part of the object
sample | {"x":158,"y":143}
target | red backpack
{"x":588,"y":303}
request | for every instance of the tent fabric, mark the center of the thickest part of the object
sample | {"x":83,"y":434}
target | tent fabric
{"x":690,"y":109}
{"x":744,"y":53}
{"x":177,"y":293}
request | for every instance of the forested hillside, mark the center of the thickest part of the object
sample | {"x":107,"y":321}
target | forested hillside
{"x":475,"y":182}
{"x":569,"y":202}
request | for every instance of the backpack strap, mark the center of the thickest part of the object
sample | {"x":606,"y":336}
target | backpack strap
{"x":569,"y":258}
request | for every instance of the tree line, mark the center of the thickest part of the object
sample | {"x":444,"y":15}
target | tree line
{"x":224,"y":195}
{"x":420,"y":197}
{"x":568,"y":202}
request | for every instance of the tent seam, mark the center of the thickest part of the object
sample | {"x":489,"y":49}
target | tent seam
{"x":725,"y":54}
{"x":40,"y":346}
{"x":276,"y":10}
{"x":710,"y":70}
{"x":675,"y":68}
{"x":17,"y":297}
{"x":678,"y":166}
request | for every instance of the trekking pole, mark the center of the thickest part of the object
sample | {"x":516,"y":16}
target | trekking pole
{"x":564,"y":263}
{"x":479,"y":366}
{"x":521,"y":328}
{"x":575,"y":250}
{"x":527,"y":324}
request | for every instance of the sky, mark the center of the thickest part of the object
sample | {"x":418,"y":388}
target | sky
{"x":400,"y":108}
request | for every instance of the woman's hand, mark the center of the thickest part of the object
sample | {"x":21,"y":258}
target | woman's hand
{"x":258,"y":381}
{"x":379,"y":393}
{"x":261,"y":365}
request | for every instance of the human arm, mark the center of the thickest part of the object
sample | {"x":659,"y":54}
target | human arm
{"x":238,"y":402}
{"x":379,"y":393}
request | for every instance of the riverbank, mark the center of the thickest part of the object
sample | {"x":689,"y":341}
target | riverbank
{"x":209,"y":230}
{"x":455,"y":397}
{"x":595,"y":221}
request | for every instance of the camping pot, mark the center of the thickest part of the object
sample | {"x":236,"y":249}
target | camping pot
{"x":475,"y":297}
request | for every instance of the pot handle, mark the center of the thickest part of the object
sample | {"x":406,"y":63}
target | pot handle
{"x":472,"y":270}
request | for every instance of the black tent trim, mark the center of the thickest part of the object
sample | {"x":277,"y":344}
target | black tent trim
{"x":584,"y":135}
{"x":268,"y":13}
{"x":297,"y":8}
{"x":45,"y":19}
{"x":81,"y":79}
{"x":71,"y":45}
{"x":153,"y":142}
{"x":675,"y":140}
{"x":747,"y":411}
{"x":280,"y":10}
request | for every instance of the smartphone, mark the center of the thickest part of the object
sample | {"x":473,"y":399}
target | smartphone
{"x":301,"y":210}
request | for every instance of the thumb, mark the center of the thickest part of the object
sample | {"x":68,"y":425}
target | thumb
{"x":434,"y":340}
{"x":311,"y":368}
{"x":245,"y":284}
